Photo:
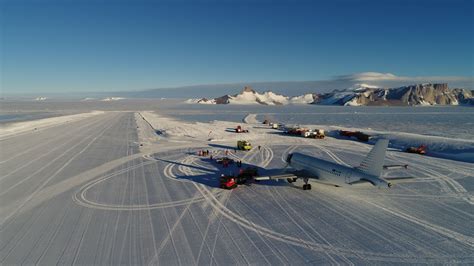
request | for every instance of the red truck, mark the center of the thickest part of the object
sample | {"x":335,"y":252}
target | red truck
{"x":296,"y":131}
{"x":356,"y":134}
{"x":419,"y":150}
{"x":239,"y":129}
{"x":231,"y":182}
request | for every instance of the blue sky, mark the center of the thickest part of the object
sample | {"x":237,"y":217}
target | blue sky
{"x":66,"y":46}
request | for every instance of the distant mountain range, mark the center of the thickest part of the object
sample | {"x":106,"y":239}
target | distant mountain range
{"x":361,"y":94}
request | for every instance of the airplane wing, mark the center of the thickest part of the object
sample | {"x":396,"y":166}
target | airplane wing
{"x":398,"y":177}
{"x":275,"y":177}
{"x":395,"y":166}
{"x":393,"y":178}
{"x":286,"y":175}
{"x":361,"y":182}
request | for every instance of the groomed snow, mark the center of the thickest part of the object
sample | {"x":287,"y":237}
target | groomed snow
{"x":251,"y":119}
{"x":113,"y":192}
{"x":19,"y":127}
{"x":181,"y":130}
{"x":442,"y":147}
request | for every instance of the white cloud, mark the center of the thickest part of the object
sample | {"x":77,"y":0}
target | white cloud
{"x":376,"y":76}
{"x":294,"y":88}
{"x":367,"y":76}
{"x":389,"y":79}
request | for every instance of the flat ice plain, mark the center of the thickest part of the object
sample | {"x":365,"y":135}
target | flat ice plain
{"x":86,"y":192}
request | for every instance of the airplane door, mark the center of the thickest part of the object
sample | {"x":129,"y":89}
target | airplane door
{"x":347,"y":177}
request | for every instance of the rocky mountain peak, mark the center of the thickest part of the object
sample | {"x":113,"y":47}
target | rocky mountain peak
{"x":417,"y":94}
{"x":441,"y":87}
{"x":248,"y":89}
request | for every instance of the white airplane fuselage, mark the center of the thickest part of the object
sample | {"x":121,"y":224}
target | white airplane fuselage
{"x":332,"y":173}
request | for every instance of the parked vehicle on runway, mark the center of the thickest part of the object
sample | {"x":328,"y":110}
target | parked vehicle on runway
{"x":227,"y":182}
{"x":316,"y":134}
{"x":239,"y":129}
{"x":245,"y":176}
{"x":296,"y":131}
{"x":356,"y":134}
{"x":244,"y":145}
{"x":419,"y":150}
{"x":274,"y":125}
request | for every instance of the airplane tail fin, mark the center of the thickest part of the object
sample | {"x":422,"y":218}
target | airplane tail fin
{"x":373,"y":163}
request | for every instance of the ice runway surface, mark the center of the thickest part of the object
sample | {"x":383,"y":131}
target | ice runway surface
{"x":84,"y":193}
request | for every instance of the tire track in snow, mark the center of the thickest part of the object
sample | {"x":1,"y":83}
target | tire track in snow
{"x":287,"y":151}
{"x":81,"y":198}
{"x":307,"y":223}
{"x":38,"y":189}
{"x":191,"y":171}
{"x":50,"y":140}
{"x":449,"y":184}
{"x":49,"y":162}
{"x":467,"y":240}
{"x":304,"y":243}
{"x":275,"y":250}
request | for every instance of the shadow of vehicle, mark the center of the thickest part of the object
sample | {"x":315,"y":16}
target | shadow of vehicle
{"x":211,"y":177}
{"x":282,"y":133}
{"x":220,"y":146}
{"x":229,"y":129}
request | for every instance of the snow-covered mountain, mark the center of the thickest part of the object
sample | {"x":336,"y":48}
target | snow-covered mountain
{"x":88,"y":99}
{"x":201,"y":101}
{"x":246,"y":96}
{"x":249,"y":96}
{"x":304,"y":99}
{"x":109,"y":99}
{"x":421,"y":94}
{"x":359,"y":94}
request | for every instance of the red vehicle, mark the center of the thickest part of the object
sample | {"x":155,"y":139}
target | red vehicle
{"x":227,"y":182}
{"x":239,"y":129}
{"x":419,"y":150}
{"x":356,"y":134}
{"x":296,"y":131}
{"x":231,"y":182}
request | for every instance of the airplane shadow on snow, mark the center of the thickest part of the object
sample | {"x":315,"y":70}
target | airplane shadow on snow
{"x":211,"y":176}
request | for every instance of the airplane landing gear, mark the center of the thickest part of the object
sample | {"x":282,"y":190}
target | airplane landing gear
{"x":291,"y":180}
{"x":306,"y":186}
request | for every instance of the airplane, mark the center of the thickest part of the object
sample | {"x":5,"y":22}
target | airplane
{"x":309,"y":167}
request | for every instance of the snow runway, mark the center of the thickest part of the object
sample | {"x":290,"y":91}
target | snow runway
{"x":184,"y":170}
{"x":110,"y":201}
